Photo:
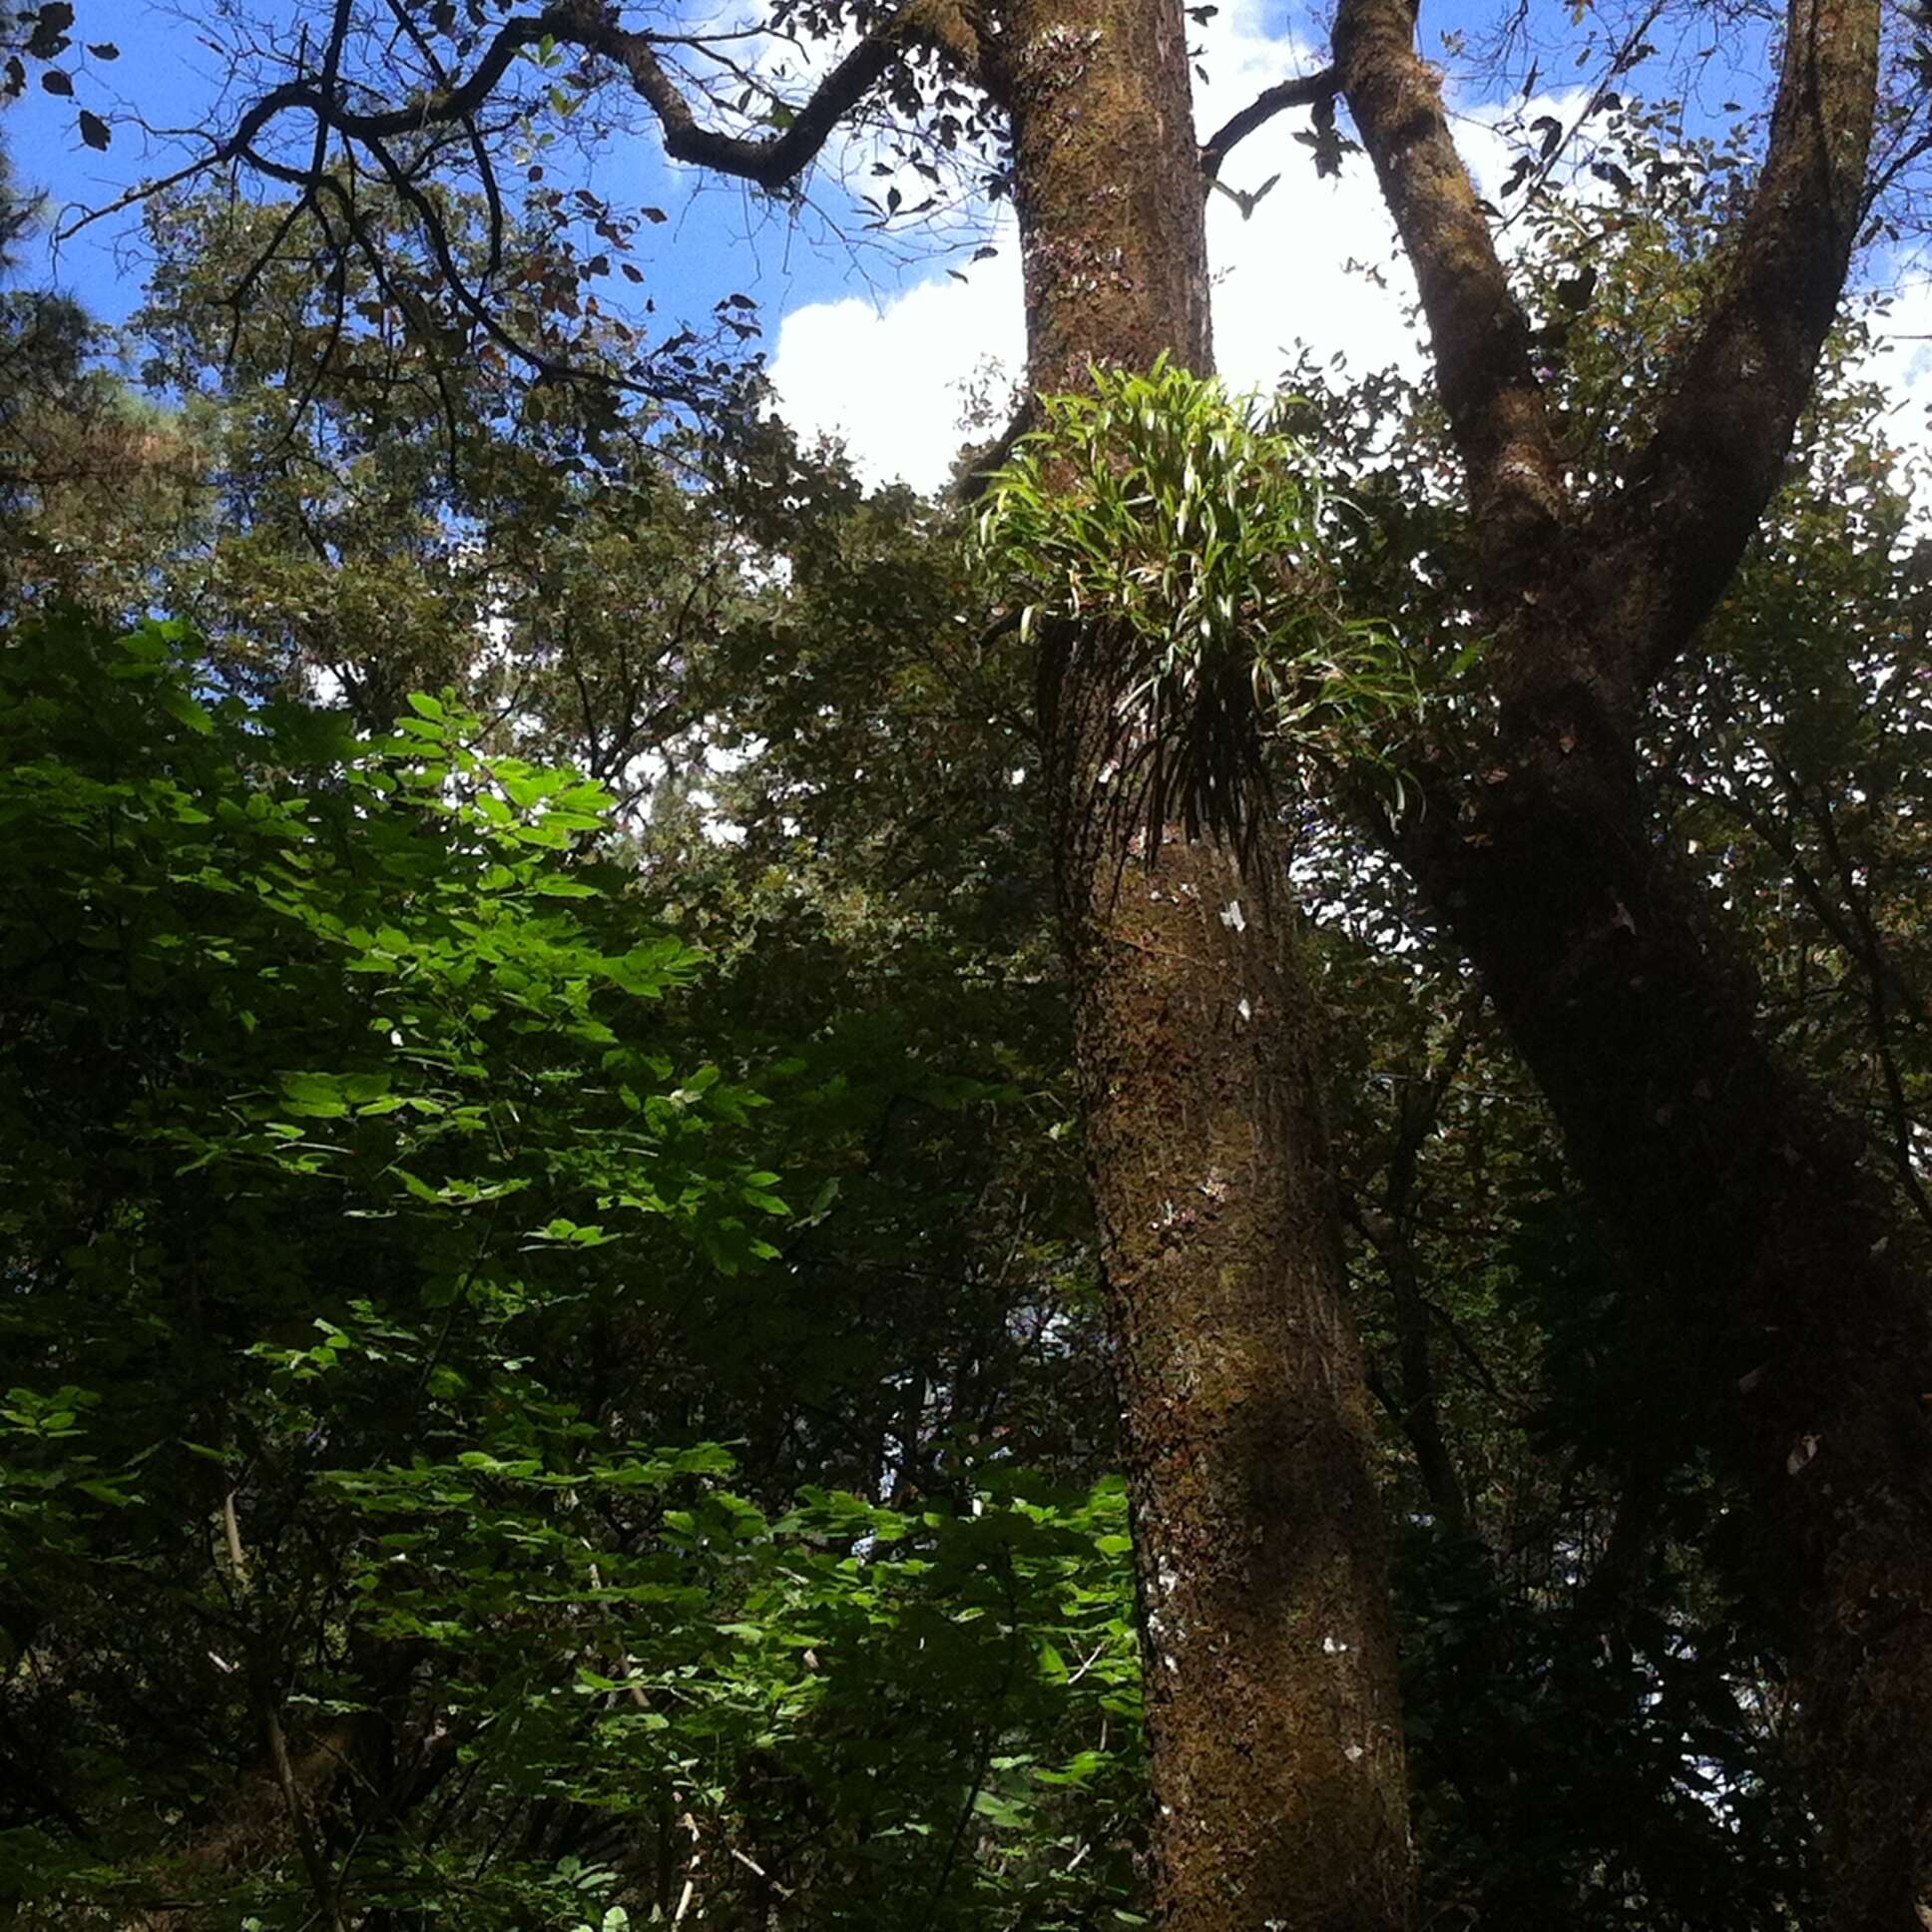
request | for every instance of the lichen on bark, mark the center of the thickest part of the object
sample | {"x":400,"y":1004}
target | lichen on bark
{"x":1278,"y":1770}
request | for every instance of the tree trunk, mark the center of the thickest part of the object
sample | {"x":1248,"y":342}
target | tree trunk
{"x":1783,"y":1280}
{"x":1277,"y":1768}
{"x":1787,"y":1305}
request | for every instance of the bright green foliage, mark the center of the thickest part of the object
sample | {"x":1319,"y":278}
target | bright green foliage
{"x":588,"y":1556}
{"x":1183,"y":530}
{"x":359,"y":1205}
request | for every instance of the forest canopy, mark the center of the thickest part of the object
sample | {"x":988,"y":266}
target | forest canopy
{"x":1185,"y":1186}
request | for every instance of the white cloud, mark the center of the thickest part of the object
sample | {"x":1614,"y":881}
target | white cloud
{"x":1315,"y":263}
{"x":891,"y":378}
{"x":888,"y":377}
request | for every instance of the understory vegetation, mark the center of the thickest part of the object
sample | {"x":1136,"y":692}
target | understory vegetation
{"x":556,"y":1376}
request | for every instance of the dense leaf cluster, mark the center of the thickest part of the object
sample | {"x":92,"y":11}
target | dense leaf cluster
{"x":352,"y":1171}
{"x":1181,"y":535}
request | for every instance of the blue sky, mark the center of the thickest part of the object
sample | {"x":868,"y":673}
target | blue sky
{"x":881,"y":352}
{"x":721,"y":236}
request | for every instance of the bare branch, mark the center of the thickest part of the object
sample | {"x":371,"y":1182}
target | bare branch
{"x":775,"y":159}
{"x":438,"y":236}
{"x":1479,"y":335}
{"x":1305,"y":92}
{"x":769,"y":161}
{"x":1666,"y":546}
{"x":140,"y":192}
{"x":1554,"y":151}
{"x":479,"y":150}
{"x":402,"y":139}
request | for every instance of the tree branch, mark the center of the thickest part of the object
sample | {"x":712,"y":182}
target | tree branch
{"x":479,"y":151}
{"x":1666,"y":547}
{"x":1306,"y":91}
{"x":1479,"y":334}
{"x":769,"y":161}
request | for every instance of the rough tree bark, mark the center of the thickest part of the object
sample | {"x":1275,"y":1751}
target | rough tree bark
{"x":1778,"y":1262}
{"x":1279,"y":1779}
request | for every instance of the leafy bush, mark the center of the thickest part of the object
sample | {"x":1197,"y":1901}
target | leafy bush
{"x":366,"y":1556}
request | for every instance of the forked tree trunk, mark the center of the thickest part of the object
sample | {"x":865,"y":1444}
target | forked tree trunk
{"x":1278,"y":1766}
{"x":1784,"y":1284}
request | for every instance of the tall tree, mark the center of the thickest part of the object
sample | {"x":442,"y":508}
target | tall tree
{"x":1275,"y":1745}
{"x":1774,"y":1255}
{"x":1274,"y":1739}
{"x":1777,"y":1261}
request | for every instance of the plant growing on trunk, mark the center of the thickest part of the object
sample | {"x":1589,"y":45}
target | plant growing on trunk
{"x":1180,"y":531}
